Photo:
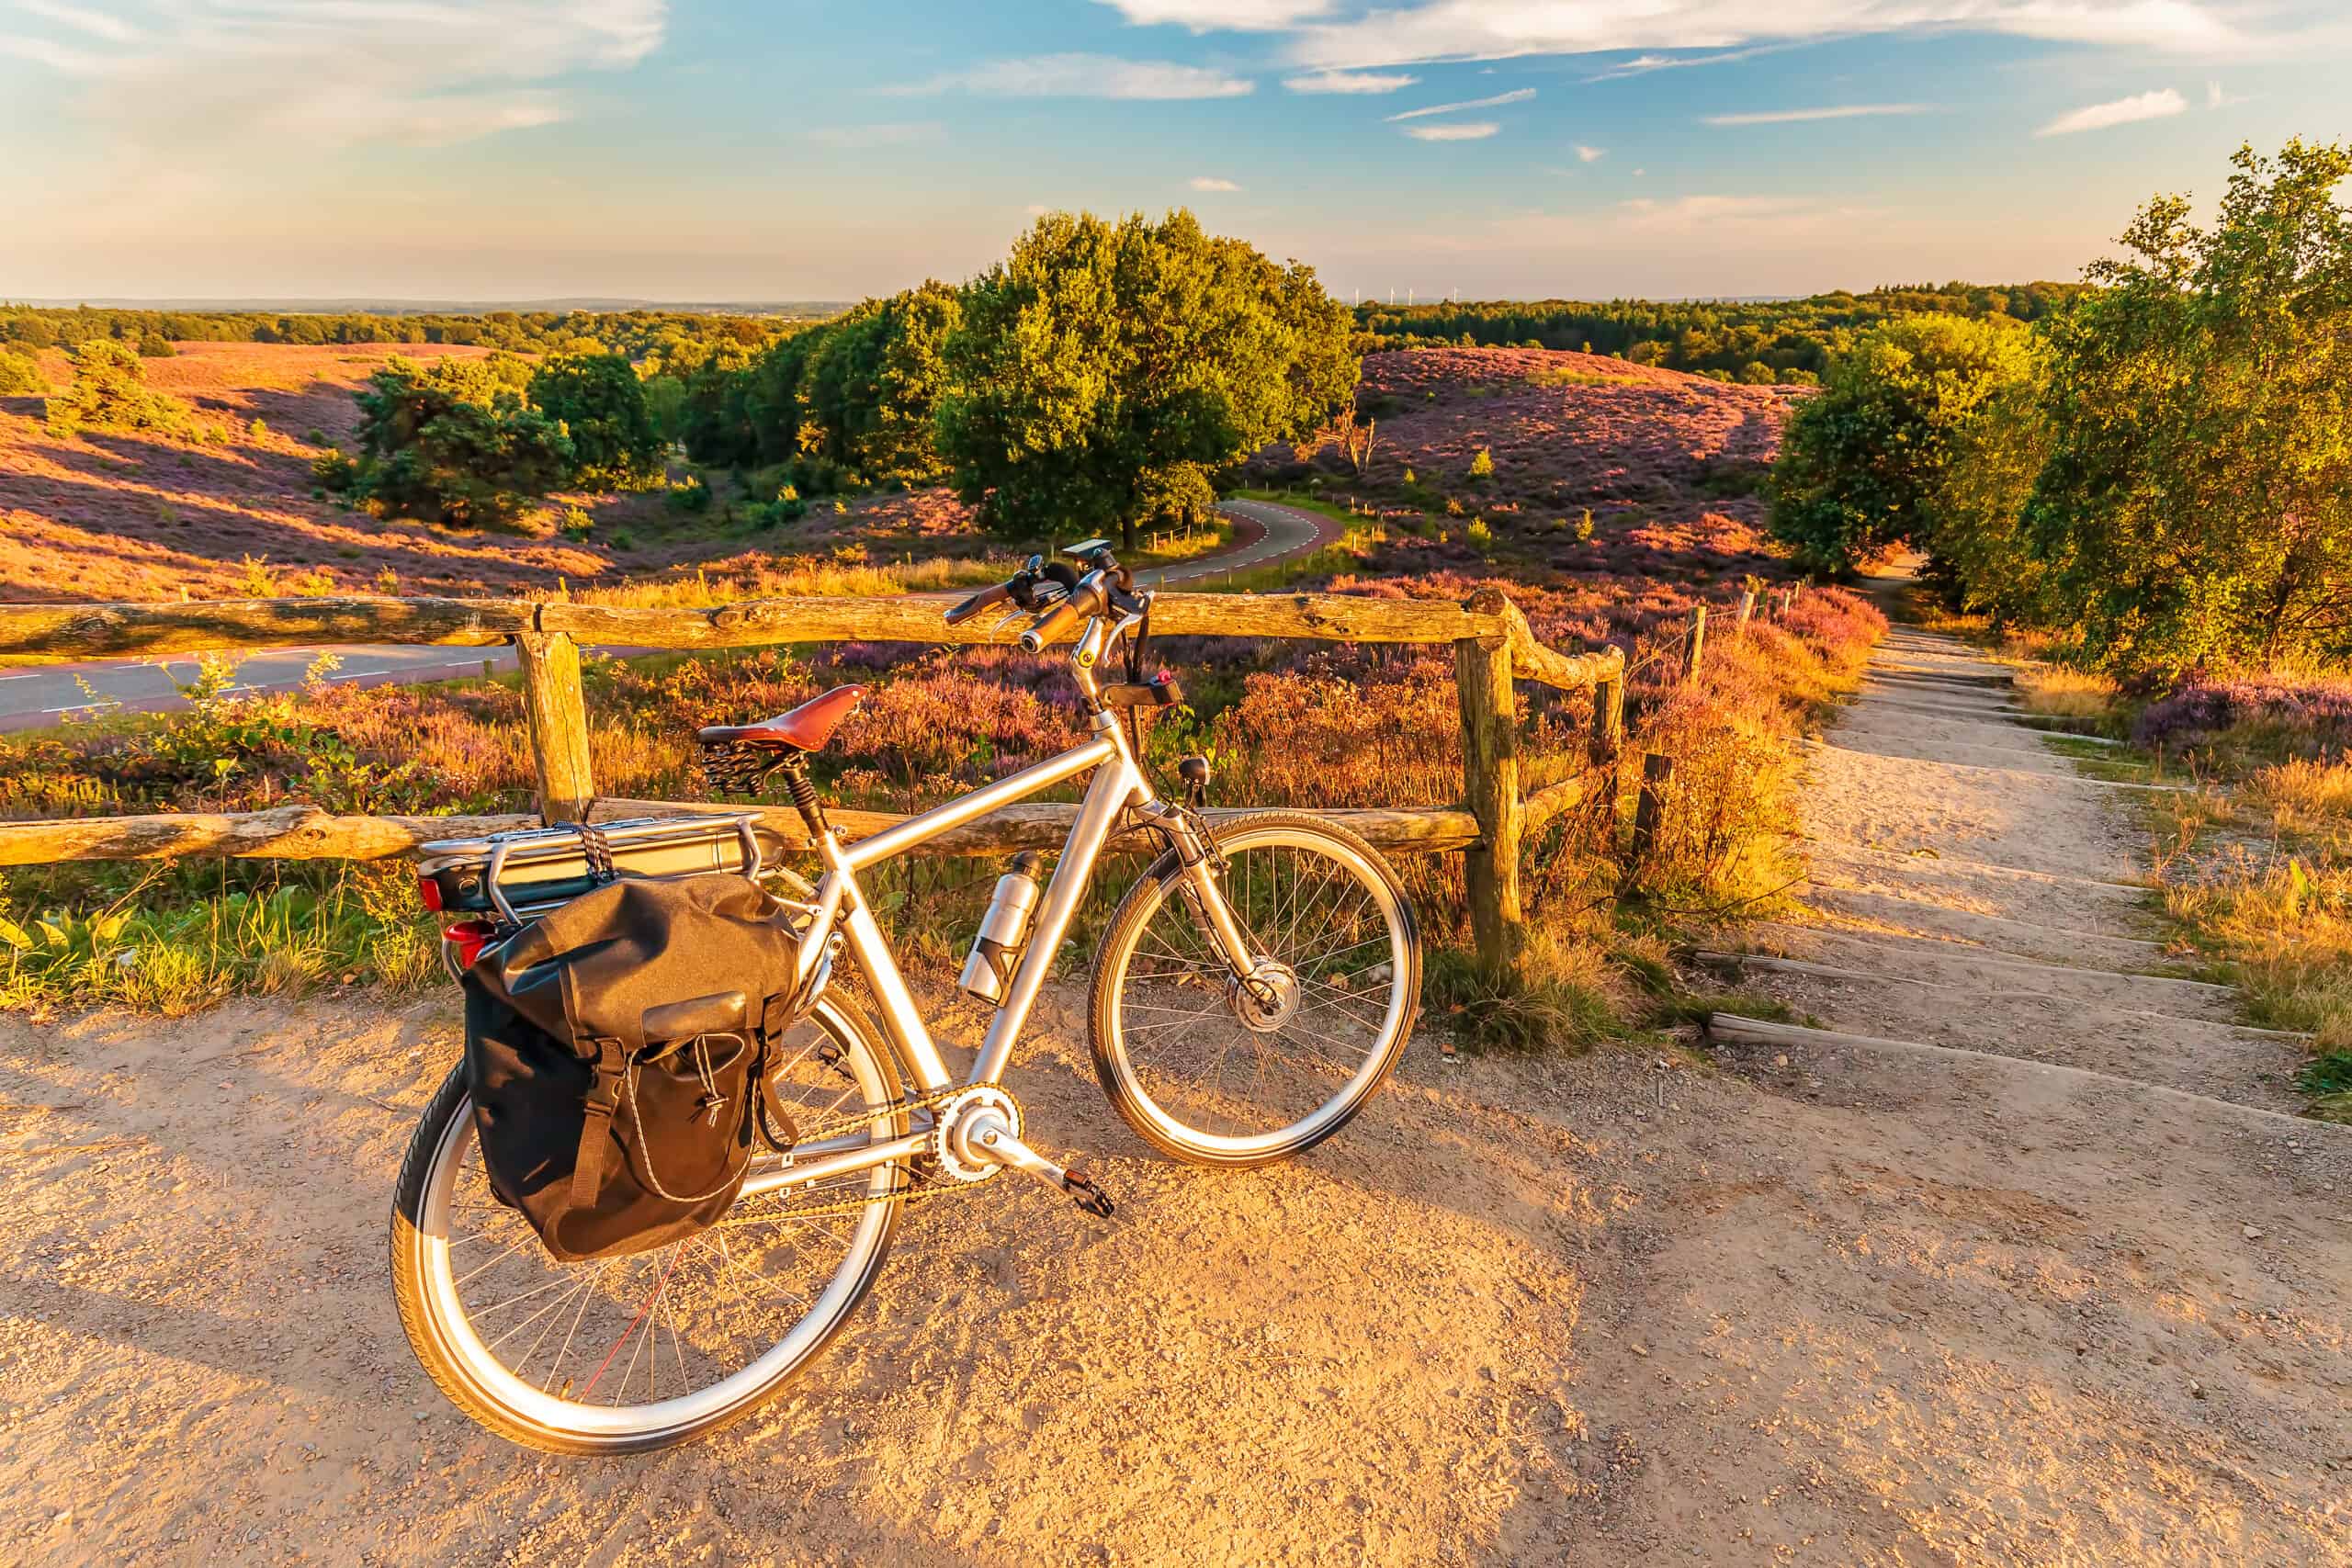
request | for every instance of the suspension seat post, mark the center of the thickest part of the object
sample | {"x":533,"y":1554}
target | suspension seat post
{"x":805,"y":798}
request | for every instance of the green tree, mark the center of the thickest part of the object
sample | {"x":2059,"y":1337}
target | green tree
{"x":110,"y":392}
{"x":1105,"y":369}
{"x":600,"y":403}
{"x":429,"y":450}
{"x":1864,"y":462}
{"x":874,"y":382}
{"x":2197,"y":505}
{"x":20,"y":375}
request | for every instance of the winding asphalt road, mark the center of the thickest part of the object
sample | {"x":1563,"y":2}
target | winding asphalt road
{"x":33,"y":698}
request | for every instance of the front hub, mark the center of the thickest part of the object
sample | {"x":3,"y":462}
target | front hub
{"x":1267,"y":1000}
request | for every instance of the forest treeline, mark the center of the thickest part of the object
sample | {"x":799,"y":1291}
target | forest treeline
{"x":1759,"y":341}
{"x":2158,"y":472}
{"x":678,"y":338}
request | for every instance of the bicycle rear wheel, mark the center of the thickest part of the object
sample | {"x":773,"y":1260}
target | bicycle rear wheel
{"x":1215,"y":1072}
{"x":663,"y":1347}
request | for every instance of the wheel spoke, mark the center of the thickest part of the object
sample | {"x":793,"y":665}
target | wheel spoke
{"x":1197,"y":1067}
{"x":564,"y":1336}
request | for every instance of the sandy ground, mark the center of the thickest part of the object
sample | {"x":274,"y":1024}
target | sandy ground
{"x":1903,"y":1305}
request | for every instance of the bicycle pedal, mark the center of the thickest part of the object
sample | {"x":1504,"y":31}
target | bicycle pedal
{"x":1085,"y":1194}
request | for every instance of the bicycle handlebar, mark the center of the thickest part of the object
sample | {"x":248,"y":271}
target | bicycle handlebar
{"x":964,"y":612}
{"x":1056,"y":622}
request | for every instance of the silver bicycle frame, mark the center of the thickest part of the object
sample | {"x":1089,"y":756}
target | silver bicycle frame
{"x":841,"y":907}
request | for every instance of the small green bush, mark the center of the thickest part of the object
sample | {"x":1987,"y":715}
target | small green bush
{"x":20,"y":376}
{"x":334,"y":471}
{"x":1482,"y":466}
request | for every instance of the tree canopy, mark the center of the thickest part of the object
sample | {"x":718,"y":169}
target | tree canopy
{"x":2160,"y":471}
{"x":1105,"y":369}
{"x":1864,"y":462}
{"x":2197,"y":505}
{"x":602,"y":406}
{"x":455,"y":444}
{"x":110,"y":392}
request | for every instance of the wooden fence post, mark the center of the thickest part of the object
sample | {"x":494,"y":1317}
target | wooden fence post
{"x":558,"y":723}
{"x":1747,"y":609}
{"x":1658,"y":771}
{"x":1608,"y":720}
{"x":1490,"y":786}
{"x":1698,"y":644}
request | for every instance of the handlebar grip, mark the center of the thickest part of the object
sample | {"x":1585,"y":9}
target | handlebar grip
{"x":964,"y":612}
{"x":1054,"y":625}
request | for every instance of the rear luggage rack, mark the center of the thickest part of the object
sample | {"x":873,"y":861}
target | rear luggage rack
{"x":528,"y":871}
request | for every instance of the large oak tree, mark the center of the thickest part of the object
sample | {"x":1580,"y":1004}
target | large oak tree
{"x":1105,"y":369}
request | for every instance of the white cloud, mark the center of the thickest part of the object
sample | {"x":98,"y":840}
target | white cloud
{"x":1642,"y":65}
{"x":265,"y":75}
{"x":1347,"y":81}
{"x":1517,"y":96}
{"x":2160,"y":104}
{"x":1211,"y":183}
{"x":882,"y":133}
{"x":96,"y":24}
{"x":1478,"y":30}
{"x":1220,"y":15}
{"x":1791,"y":116}
{"x":1459,"y":131}
{"x":1086,"y":76}
{"x":1590,"y":154}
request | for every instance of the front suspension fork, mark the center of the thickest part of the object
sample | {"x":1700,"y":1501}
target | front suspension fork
{"x":1199,"y":866}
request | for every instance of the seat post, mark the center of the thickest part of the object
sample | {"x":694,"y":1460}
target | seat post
{"x":795,"y":769}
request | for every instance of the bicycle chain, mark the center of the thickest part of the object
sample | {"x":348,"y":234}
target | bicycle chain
{"x":907,"y":1192}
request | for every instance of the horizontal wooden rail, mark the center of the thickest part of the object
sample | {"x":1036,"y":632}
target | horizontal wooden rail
{"x":92,"y":631}
{"x":98,"y":631}
{"x":285,"y":832}
{"x":1408,"y":829}
{"x":305,"y":832}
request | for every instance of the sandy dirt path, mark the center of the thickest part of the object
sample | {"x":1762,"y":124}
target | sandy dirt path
{"x":1992,"y":1305}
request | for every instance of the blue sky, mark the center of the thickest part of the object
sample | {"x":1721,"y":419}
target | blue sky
{"x":446,"y":149}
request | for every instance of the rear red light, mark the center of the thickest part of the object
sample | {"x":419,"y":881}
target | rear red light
{"x":467,"y":938}
{"x":430,"y":891}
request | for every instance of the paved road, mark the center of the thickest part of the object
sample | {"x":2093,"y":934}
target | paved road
{"x":32,"y":698}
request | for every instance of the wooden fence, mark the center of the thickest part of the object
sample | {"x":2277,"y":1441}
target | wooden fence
{"x":1492,"y":642}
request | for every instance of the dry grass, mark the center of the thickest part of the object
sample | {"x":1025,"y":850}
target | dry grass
{"x":2305,"y":794}
{"x":2065,"y":694}
{"x":847,"y":575}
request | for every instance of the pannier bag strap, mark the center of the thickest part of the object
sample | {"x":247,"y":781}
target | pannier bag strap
{"x":598,"y":1108}
{"x":597,"y":851}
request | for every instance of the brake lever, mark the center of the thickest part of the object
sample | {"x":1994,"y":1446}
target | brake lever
{"x":1015,"y":613}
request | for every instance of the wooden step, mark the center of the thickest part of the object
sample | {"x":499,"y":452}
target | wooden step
{"x":1819,"y":1044}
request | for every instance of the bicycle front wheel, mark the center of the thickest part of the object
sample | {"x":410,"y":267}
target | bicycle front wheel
{"x":1214,"y":1070}
{"x":661,"y":1347}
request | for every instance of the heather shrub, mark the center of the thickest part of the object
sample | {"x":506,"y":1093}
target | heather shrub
{"x":2309,"y":715}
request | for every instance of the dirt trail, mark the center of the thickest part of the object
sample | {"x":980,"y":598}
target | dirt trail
{"x":1899,"y":1305}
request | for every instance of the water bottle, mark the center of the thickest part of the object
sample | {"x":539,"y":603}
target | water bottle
{"x":1003,"y":929}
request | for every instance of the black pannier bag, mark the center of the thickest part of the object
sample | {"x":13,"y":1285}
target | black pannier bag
{"x":615,"y":1050}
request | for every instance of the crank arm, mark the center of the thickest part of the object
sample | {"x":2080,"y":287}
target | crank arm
{"x":988,"y":1140}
